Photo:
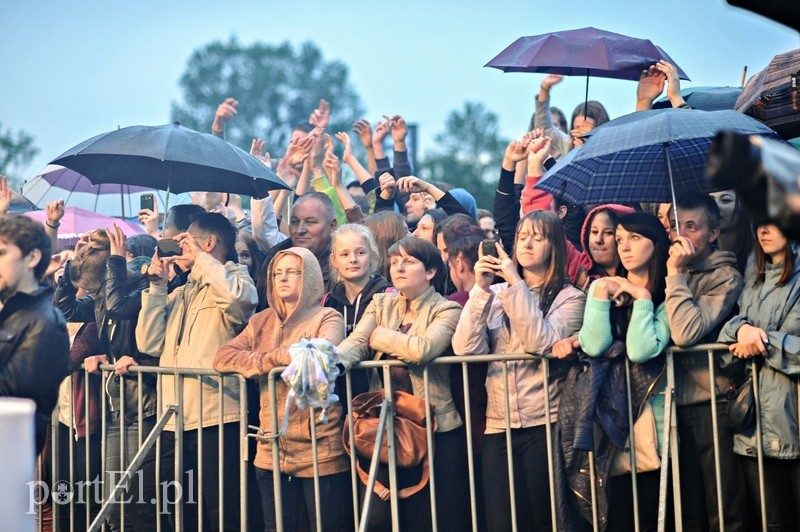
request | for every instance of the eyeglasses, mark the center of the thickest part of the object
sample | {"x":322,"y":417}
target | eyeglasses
{"x":291,"y":272}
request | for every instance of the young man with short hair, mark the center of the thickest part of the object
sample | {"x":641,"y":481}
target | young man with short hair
{"x":703,"y":286}
{"x":34,"y":351}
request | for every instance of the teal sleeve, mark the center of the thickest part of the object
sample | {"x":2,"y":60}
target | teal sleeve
{"x":595,"y":335}
{"x":648,"y":331}
{"x":321,"y":184}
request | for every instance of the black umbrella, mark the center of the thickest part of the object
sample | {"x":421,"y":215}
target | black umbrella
{"x":171,"y":158}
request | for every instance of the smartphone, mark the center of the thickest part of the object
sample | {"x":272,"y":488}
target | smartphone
{"x":168,"y":247}
{"x":147,"y":201}
{"x":489,"y":247}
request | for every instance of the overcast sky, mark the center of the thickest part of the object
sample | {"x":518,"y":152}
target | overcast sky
{"x":72,"y":70}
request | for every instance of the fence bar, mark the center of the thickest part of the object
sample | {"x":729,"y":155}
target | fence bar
{"x":631,"y":435}
{"x":179,"y":477}
{"x":88,"y":439}
{"x":276,"y":458}
{"x":593,"y":483}
{"x":669,"y":448}
{"x":390,"y":440}
{"x":315,"y":465}
{"x":221,"y":452}
{"x":373,"y":466}
{"x":136,"y":463}
{"x":470,"y":447}
{"x":243,"y":451}
{"x":123,"y":440}
{"x":759,"y":449}
{"x":431,"y":450}
{"x":352,"y":444}
{"x":159,"y":502}
{"x":510,"y":452}
{"x":548,"y":428}
{"x":73,"y":434}
{"x":712,"y":379}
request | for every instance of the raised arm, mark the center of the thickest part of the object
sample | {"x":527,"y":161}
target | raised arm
{"x":226,"y":111}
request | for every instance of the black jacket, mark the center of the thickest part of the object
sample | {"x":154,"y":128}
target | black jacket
{"x":352,"y":312}
{"x":116,"y":315}
{"x":593,"y":416}
{"x":34,"y":353}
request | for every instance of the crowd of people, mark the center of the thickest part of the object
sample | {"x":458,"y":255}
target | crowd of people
{"x":392,"y":267}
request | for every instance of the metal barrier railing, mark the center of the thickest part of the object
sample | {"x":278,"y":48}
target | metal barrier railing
{"x":146,"y":442}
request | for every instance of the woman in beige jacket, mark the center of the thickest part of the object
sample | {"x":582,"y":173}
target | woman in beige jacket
{"x":294,"y":294}
{"x":415,"y":325}
{"x":531,"y":311}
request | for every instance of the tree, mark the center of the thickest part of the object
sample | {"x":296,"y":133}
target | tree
{"x":469,"y":152}
{"x":277,"y":87}
{"x":17,"y":150}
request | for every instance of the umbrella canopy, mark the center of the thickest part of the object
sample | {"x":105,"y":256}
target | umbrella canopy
{"x":772,"y":95}
{"x":583,"y":52}
{"x":172,"y":158}
{"x":705,"y":98}
{"x":77,"y":221}
{"x":635,"y":157}
{"x":56,"y":182}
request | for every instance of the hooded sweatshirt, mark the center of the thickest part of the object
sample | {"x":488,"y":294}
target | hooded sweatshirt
{"x":263,"y":345}
{"x":352,"y":312}
{"x":698,"y":303}
{"x":620,"y":211}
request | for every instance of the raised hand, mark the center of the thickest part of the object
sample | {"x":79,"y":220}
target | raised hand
{"x":257,"y":150}
{"x":399,"y":129}
{"x":5,"y":195}
{"x":363,"y":129}
{"x":116,"y":240}
{"x":332,"y":169}
{"x":411,"y":184}
{"x":381,"y":130}
{"x":54,"y":211}
{"x":515,"y":151}
{"x":681,"y":252}
{"x":650,"y":87}
{"x":344,"y":138}
{"x":149,"y":219}
{"x":506,"y":266}
{"x":225,"y":112}
{"x":485,"y":269}
{"x":673,"y":82}
{"x":321,"y":115}
{"x":550,"y":80}
{"x":388,"y":186}
{"x":538,"y":152}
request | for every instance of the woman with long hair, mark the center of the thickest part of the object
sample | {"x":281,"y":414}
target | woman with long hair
{"x":531,"y":311}
{"x":415,"y":325}
{"x":387,"y":227}
{"x":735,"y":232}
{"x":294,"y":293}
{"x":766,"y":332}
{"x":631,"y":311}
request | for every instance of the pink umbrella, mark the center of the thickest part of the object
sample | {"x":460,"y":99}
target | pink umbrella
{"x":77,"y":221}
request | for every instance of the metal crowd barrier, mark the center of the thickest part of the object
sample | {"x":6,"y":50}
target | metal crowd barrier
{"x":669,"y":450}
{"x":146,"y":444}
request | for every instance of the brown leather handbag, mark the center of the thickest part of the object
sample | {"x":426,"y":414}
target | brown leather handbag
{"x":411,"y":438}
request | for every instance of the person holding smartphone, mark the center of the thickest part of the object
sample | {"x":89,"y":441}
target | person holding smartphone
{"x":531,"y":311}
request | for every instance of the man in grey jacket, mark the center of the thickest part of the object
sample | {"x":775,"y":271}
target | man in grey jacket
{"x":703,"y":286}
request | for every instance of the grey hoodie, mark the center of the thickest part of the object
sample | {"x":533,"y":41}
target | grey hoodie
{"x":698,"y":303}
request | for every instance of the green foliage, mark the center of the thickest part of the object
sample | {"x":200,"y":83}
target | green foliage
{"x":17,"y":150}
{"x":469,"y":152}
{"x":277,"y":87}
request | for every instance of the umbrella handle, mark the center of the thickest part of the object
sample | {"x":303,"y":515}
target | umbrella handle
{"x":672,"y":189}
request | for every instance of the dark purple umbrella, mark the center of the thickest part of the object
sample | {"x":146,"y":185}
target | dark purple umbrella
{"x":584,"y":52}
{"x":773,"y":95}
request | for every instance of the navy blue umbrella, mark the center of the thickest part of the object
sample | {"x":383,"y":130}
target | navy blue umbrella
{"x":705,"y":98}
{"x":171,"y":158}
{"x":648,"y":156}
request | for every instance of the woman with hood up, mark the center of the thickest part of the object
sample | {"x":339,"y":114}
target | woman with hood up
{"x":294,"y":293}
